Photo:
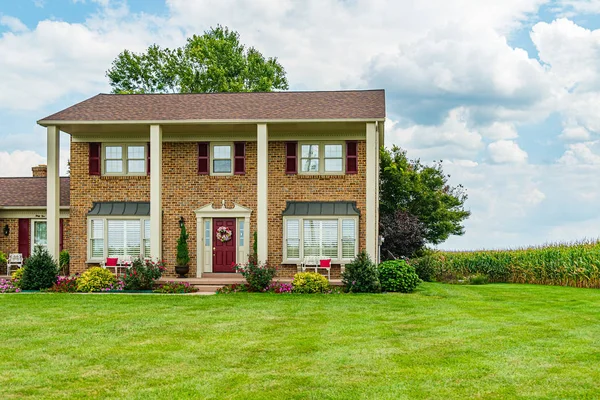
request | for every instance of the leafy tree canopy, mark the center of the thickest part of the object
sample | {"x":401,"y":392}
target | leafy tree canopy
{"x":213,"y":62}
{"x":422,"y":191}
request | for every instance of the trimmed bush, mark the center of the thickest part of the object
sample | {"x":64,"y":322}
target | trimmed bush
{"x":40,"y":270}
{"x":398,"y":276}
{"x":361,"y":275}
{"x":309,"y":282}
{"x":95,"y":279}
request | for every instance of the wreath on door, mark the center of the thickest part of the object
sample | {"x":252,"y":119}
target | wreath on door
{"x":224,"y":234}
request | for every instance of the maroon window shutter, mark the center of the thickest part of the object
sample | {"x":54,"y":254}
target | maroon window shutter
{"x":351,"y":157}
{"x":148,"y":159}
{"x":94,"y":159}
{"x":239,"y":158}
{"x":291,"y":158}
{"x":203,"y":159}
{"x":61,"y":230}
{"x":24,"y":237}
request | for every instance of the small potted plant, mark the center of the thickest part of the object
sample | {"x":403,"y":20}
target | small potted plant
{"x":183,"y":256}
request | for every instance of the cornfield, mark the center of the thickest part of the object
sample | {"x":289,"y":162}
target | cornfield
{"x":566,"y":264}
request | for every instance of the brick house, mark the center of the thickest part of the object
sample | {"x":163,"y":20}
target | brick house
{"x":23,"y":213}
{"x":298,"y":169}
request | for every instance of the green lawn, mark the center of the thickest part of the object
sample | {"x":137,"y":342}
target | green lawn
{"x":449,"y":342}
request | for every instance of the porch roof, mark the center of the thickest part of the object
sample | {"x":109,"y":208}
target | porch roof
{"x":137,"y":208}
{"x":318,"y":208}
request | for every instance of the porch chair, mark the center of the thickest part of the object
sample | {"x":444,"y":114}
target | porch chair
{"x":14,"y":260}
{"x":317,"y":263}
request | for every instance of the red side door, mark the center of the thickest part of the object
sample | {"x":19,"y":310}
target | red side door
{"x":224,"y":252}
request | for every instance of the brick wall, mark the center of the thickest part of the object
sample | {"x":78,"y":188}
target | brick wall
{"x":9,"y":244}
{"x":185,"y":191}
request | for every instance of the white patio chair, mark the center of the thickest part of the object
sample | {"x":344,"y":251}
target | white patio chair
{"x":14,"y":260}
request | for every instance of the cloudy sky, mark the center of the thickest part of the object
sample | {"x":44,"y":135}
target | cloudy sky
{"x":507,"y":92}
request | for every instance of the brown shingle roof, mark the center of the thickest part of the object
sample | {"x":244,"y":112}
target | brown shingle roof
{"x":29,"y":192}
{"x":351,"y":104}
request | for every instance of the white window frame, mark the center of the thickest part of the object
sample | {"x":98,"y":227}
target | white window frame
{"x":339,"y":219}
{"x":321,"y":145}
{"x":124,"y":160}
{"x":105,"y":220}
{"x":231,"y":157}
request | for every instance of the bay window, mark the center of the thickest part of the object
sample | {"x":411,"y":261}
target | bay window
{"x":114,"y":237}
{"x":334,"y":238}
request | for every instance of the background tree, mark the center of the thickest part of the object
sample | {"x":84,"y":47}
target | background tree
{"x":423,"y":192}
{"x":404,"y":234}
{"x":213,"y":62}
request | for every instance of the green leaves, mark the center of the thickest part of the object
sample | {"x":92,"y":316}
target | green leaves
{"x":422,"y":191}
{"x":213,"y":62}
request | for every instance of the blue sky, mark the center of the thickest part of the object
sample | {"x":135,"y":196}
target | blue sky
{"x":506,"y":93}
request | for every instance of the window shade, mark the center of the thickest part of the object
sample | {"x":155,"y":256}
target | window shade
{"x":293,"y":239}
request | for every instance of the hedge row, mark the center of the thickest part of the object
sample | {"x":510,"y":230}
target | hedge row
{"x":567,"y":264}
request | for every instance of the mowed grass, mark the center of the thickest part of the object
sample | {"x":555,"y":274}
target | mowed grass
{"x":444,"y":341}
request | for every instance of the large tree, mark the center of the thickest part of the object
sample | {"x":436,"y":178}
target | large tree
{"x":422,"y":191}
{"x":213,"y":62}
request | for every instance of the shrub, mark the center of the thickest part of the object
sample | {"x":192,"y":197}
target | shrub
{"x":17,"y":276}
{"x":95,"y":279}
{"x":424,"y":267}
{"x":8,"y":287}
{"x":478,"y":279}
{"x":3,"y":261}
{"x":65,"y":284}
{"x":398,"y":276}
{"x":142,"y":274}
{"x":63,"y":262}
{"x":258,"y":275}
{"x":175,"y":287}
{"x":40,"y":270}
{"x":310,"y":282}
{"x":361,"y":275}
{"x":278,"y":287}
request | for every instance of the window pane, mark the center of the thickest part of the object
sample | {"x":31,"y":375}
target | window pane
{"x":333,"y":165}
{"x":222,"y":166}
{"x":348,"y":238}
{"x":114,"y":152}
{"x":40,"y":234}
{"x":114,"y":166}
{"x":312,"y":238}
{"x":116,"y":238}
{"x":310,"y":150}
{"x":293,"y":239}
{"x":222,"y":152}
{"x":333,"y":151}
{"x":132,"y":238}
{"x":147,"y":248}
{"x":147,"y":229}
{"x":97,"y":229}
{"x":97,"y":248}
{"x":329,"y":244}
{"x":241,"y":223}
{"x":207,"y":233}
{"x":310,"y":165}
{"x":134,"y":166}
{"x":135,"y":152}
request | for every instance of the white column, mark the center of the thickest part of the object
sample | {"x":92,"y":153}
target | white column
{"x":372,"y":223}
{"x":156,"y":191}
{"x":262,"y":218}
{"x":53,"y":192}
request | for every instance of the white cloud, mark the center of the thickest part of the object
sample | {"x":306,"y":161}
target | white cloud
{"x":14,"y":24}
{"x":19,"y":163}
{"x":499,"y":131}
{"x":575,"y":133}
{"x":506,"y":152}
{"x":582,"y":153}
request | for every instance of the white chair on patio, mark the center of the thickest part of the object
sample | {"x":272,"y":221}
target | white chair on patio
{"x":14,"y":260}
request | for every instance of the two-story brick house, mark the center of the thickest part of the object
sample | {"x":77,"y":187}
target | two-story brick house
{"x":299,"y":169}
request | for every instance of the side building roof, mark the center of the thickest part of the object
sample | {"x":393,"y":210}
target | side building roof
{"x":30,"y":192}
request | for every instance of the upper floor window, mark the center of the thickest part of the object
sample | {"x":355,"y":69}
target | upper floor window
{"x":221,"y":159}
{"x":321,"y":158}
{"x":124,"y":159}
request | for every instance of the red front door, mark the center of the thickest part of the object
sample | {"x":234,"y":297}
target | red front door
{"x":224,"y":252}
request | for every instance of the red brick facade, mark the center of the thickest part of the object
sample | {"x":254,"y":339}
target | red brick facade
{"x":184,"y":191}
